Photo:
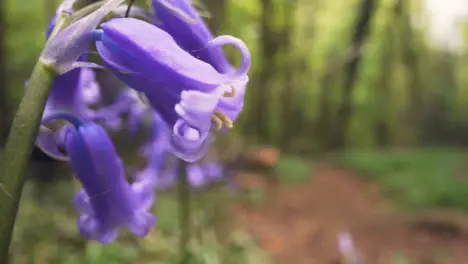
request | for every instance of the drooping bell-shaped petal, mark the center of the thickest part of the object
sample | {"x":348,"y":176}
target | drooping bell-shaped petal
{"x":180,"y":19}
{"x":124,"y":44}
{"x":107,"y":201}
{"x":182,"y":88}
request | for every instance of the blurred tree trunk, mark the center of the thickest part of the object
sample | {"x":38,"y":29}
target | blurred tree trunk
{"x":413,"y":67}
{"x":387,"y":63}
{"x":289,"y":92}
{"x":345,"y":111}
{"x":217,"y":10}
{"x":268,"y":50}
{"x":4,"y":104}
{"x":323,"y":124}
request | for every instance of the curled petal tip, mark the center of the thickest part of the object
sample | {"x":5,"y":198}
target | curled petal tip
{"x":187,"y":143}
{"x":239,"y":44}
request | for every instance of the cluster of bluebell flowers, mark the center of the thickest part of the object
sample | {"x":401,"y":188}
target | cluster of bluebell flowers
{"x":114,"y":72}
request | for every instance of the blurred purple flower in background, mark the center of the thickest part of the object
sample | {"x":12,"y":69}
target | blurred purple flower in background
{"x":347,"y":250}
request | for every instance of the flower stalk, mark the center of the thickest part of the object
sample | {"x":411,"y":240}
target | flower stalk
{"x":18,"y":150}
{"x":184,"y":213}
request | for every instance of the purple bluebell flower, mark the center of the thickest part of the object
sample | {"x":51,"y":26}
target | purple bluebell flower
{"x":162,"y":168}
{"x":183,"y":89}
{"x":200,"y":175}
{"x":180,"y":19}
{"x":72,"y":92}
{"x":107,"y":202}
{"x":74,"y":89}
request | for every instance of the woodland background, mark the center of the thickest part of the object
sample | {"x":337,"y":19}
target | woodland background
{"x":355,"y":84}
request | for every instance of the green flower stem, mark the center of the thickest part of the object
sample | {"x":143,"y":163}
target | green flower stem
{"x":184,"y":214}
{"x":18,"y":148}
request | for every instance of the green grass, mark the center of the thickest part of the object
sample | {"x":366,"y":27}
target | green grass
{"x":416,"y":179}
{"x":292,"y":170}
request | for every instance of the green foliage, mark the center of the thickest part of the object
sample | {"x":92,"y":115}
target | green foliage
{"x":253,"y":196}
{"x":292,"y":170}
{"x":400,"y":259}
{"x":310,"y":44}
{"x":25,"y":38}
{"x":46,"y":233}
{"x":416,"y":179}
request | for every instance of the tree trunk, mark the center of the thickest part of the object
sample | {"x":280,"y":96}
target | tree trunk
{"x":217,"y":9}
{"x":5,"y":114}
{"x":322,"y":126}
{"x":411,"y":61}
{"x":268,"y":51}
{"x":345,"y":110}
{"x":384,"y":82}
{"x":289,"y":91}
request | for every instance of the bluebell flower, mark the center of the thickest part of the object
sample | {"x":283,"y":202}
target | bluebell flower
{"x":180,"y":19}
{"x":72,"y":92}
{"x":183,"y":89}
{"x":75,"y":90}
{"x":200,"y":175}
{"x":162,"y":167}
{"x":107,"y":202}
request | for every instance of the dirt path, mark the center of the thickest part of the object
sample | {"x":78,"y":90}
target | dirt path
{"x":300,"y":224}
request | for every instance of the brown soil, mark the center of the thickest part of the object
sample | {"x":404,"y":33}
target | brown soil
{"x":300,"y":224}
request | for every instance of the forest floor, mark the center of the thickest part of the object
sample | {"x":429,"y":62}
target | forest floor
{"x":299,"y":224}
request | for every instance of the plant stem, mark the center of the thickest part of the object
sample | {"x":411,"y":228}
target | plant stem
{"x":17,"y":151}
{"x":184,"y":214}
{"x":127,"y":12}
